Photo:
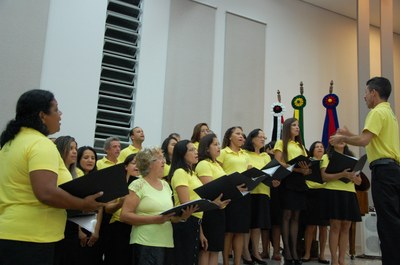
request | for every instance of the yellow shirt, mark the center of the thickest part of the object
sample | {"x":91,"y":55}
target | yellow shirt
{"x":259,"y":161}
{"x":209,"y":168}
{"x":182,"y":178}
{"x":22,"y":216}
{"x":233,"y":161}
{"x":294,"y":149}
{"x":166,"y":169}
{"x":196,"y":145}
{"x":152,"y":202}
{"x":382,"y":122}
{"x":127,"y":151}
{"x":104,"y":163}
{"x":336,"y":184}
{"x":79,"y":172}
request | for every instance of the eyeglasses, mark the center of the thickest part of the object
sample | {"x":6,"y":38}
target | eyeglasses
{"x":162,"y":159}
{"x":262,"y":137}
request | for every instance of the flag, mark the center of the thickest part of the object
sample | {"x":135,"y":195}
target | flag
{"x":277,"y":110}
{"x":298,"y":104}
{"x":331,"y":124}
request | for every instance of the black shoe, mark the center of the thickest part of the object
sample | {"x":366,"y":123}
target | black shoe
{"x":288,"y":262}
{"x":323,"y":261}
{"x":306,"y":260}
{"x":258,"y":261}
{"x":297,"y":262}
{"x":249,"y":262}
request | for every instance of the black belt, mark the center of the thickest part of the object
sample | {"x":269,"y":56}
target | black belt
{"x":382,"y":161}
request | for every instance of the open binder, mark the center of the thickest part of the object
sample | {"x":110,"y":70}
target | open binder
{"x":225,"y":185}
{"x":111,"y":181}
{"x":339,"y":162}
{"x":255,"y":177}
{"x":202,"y":204}
{"x":301,"y":158}
{"x":316,"y":172}
{"x":275,"y":171}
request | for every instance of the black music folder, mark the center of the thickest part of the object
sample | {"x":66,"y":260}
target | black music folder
{"x":339,"y":162}
{"x":226,"y":184}
{"x":202,"y":204}
{"x":271,"y":164}
{"x":111,"y":181}
{"x":275,"y":171}
{"x":316,"y":171}
{"x":295,"y":161}
{"x":255,"y":176}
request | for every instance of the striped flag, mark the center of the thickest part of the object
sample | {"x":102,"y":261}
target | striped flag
{"x":298,"y":104}
{"x":331,"y":124}
{"x":277,"y":109}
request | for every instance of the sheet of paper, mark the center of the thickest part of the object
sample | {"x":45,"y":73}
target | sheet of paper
{"x":87,"y":222}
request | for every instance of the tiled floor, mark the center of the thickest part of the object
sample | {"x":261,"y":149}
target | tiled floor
{"x":349,"y":261}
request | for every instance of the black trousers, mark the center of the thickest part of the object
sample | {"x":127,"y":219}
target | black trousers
{"x":26,"y":253}
{"x":386,"y":195}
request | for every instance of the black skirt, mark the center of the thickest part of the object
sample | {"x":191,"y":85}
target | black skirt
{"x":238,"y":214}
{"x":260,"y":212}
{"x":187,"y":241}
{"x":341,"y":205}
{"x":315,"y":205}
{"x":213,"y":225}
{"x":275,"y":206}
{"x":293,"y":200}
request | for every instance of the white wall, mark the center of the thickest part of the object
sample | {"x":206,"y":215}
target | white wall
{"x":23,"y":27}
{"x":152,"y":68}
{"x":72,"y":63}
{"x":303,"y":43}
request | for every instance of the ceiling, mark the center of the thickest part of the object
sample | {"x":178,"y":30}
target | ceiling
{"x":348,"y":8}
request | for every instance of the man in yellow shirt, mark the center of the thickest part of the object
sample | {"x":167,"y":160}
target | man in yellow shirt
{"x":380,"y":136}
{"x":112,"y":147}
{"x":137,"y":138}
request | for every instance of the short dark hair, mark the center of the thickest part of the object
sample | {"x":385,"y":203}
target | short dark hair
{"x":381,"y":85}
{"x":131,"y":130}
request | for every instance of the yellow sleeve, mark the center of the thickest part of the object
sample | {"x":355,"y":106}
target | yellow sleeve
{"x":278,"y":146}
{"x":180,"y":178}
{"x":43,"y":155}
{"x":324,"y":161}
{"x":203,"y":169}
